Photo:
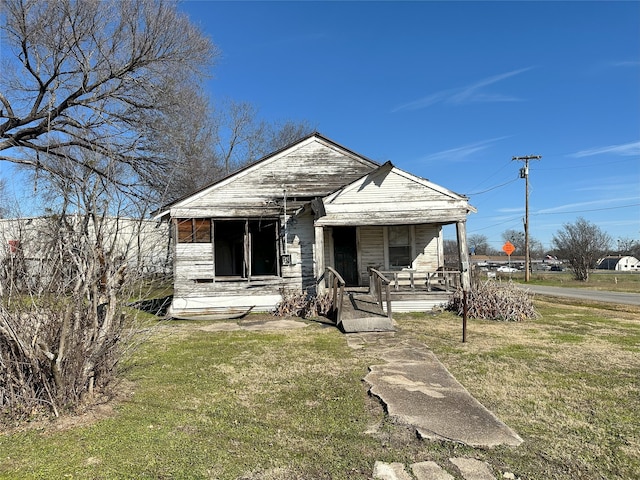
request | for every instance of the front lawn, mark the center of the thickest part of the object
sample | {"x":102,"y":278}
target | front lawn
{"x":292,"y":404}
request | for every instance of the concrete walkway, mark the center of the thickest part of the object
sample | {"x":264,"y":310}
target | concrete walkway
{"x":469,"y":468}
{"x":417,"y":390}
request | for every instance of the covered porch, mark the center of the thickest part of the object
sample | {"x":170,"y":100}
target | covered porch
{"x":385,"y":232}
{"x":362,"y":309}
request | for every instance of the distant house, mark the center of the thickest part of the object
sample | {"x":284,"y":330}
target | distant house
{"x":276,"y":225}
{"x":619,"y":263}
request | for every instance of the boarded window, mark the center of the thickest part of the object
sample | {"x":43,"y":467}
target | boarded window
{"x":194,"y":230}
{"x":399,"y":246}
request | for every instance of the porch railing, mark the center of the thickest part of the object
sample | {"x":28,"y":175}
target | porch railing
{"x":335,"y":284}
{"x":380,"y":289}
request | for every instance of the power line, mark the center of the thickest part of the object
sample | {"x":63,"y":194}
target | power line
{"x":492,"y":175}
{"x":585,"y":211}
{"x":516,"y":217}
{"x":492,"y":188}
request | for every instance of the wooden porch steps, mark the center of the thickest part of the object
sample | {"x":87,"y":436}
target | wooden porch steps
{"x":361,"y":313}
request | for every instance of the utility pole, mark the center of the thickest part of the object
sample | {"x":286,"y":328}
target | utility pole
{"x":524,"y":173}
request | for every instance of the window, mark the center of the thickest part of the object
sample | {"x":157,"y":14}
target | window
{"x":264,"y":251}
{"x":194,"y":230}
{"x":245,"y":248}
{"x":229,"y":248}
{"x":399,"y":246}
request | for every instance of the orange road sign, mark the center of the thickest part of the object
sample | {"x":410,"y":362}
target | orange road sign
{"x":508,"y":248}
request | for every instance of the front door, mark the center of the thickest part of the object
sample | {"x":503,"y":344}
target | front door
{"x":346,"y":254}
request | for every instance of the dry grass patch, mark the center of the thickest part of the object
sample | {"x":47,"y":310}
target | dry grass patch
{"x":567,"y":383}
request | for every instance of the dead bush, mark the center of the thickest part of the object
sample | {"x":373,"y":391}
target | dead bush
{"x":493,"y":301}
{"x":303,"y":305}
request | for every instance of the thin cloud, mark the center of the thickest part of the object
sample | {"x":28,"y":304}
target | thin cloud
{"x":628,"y":63}
{"x":468,"y":94}
{"x":625,"y":150}
{"x":511,"y":210}
{"x":461,"y":153}
{"x":592,"y":203}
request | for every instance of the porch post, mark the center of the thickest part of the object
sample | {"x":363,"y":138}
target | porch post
{"x":465,"y":274}
{"x":319,"y":260}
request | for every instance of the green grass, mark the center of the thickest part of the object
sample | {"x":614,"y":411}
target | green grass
{"x":612,"y":281}
{"x":568,"y":383}
{"x":292,"y":404}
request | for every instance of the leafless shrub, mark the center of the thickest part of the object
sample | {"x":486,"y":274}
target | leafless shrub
{"x":492,"y":301}
{"x":303,"y":305}
{"x":62,"y":342}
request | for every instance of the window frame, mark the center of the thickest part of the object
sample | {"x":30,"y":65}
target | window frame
{"x":193,"y":230}
{"x":249,"y":247}
{"x":406,"y":247}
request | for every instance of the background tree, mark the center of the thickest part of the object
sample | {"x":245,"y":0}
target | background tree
{"x":241,"y":137}
{"x":451,"y":254}
{"x":92,"y":76}
{"x":516,"y":238}
{"x":536,"y":249}
{"x":479,"y":245}
{"x":203,"y":144}
{"x":628,"y":246}
{"x":581,"y":243}
{"x":84,"y":84}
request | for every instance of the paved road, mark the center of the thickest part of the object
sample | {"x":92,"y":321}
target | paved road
{"x":586,"y":294}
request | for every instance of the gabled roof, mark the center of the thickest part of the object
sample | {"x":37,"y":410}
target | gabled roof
{"x":390,"y":195}
{"x":365,"y":163}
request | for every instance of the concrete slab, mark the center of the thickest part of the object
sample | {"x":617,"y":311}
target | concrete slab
{"x":390,"y":471}
{"x":366,"y":324}
{"x":472,"y":469}
{"x":417,"y":390}
{"x":430,"y":471}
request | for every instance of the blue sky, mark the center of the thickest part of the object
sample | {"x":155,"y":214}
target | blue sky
{"x":452,"y":91}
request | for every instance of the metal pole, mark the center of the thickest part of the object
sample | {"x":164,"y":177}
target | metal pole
{"x":464,"y":316}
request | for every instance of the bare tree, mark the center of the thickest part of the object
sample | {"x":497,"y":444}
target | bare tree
{"x":451,"y":253}
{"x":63,"y":328}
{"x":241,"y":137}
{"x":581,"y":244}
{"x":628,"y":246}
{"x":207,"y":144}
{"x":536,"y":249}
{"x":88,"y":82}
{"x":87,"y":74}
{"x":479,"y":245}
{"x":185,"y":136}
{"x":4,"y":200}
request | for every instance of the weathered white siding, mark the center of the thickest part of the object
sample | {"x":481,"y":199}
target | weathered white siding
{"x":312,"y":186}
{"x":426,"y":244}
{"x":300,"y":245}
{"x":372,"y":251}
{"x":311,"y":169}
{"x":390,"y":196}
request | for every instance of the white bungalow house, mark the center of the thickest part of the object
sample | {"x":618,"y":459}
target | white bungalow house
{"x":276,"y":225}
